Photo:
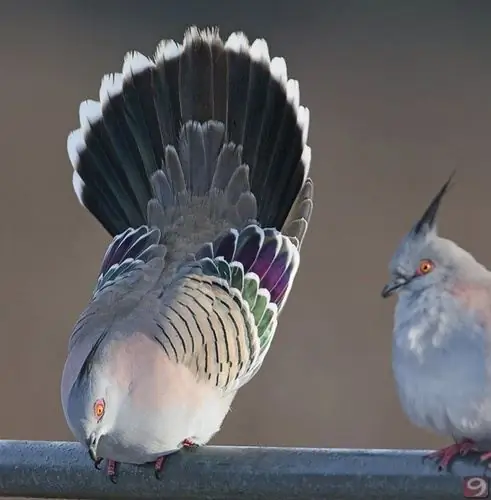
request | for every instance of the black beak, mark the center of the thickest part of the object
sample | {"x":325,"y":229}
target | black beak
{"x":92,"y":446}
{"x":391,"y":287}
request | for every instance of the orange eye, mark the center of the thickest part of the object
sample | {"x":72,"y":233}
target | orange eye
{"x":425,"y":266}
{"x":99,"y":408}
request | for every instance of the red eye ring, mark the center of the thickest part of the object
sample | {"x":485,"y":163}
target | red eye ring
{"x":99,"y":409}
{"x":425,"y":267}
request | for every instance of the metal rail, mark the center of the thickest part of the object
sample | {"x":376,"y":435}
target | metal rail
{"x":40,"y":469}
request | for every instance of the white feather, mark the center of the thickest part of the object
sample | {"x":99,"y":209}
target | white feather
{"x":306,"y":158}
{"x":278,"y":70}
{"x":259,"y":51}
{"x":75,"y":144}
{"x":111,"y":86}
{"x":208,"y":35}
{"x":89,"y":113}
{"x":237,"y":42}
{"x":304,"y":122}
{"x":167,"y":50}
{"x":78,"y":185}
{"x":134,"y":63}
{"x":293,"y":93}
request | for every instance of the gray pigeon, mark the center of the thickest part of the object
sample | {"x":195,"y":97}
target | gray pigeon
{"x":196,"y":163}
{"x":442,"y":337}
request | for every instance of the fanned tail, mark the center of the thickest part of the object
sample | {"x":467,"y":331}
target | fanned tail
{"x":207,"y":136}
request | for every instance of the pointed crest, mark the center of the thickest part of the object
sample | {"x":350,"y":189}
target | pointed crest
{"x":428,"y":220}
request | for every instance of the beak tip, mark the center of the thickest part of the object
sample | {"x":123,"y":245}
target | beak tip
{"x":391,"y":287}
{"x":92,"y":446}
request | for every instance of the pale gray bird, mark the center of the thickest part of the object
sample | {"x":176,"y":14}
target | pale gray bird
{"x":442,"y":337}
{"x":196,"y":163}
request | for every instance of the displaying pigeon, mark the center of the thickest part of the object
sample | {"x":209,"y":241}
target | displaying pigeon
{"x":196,"y":163}
{"x":442,"y":337}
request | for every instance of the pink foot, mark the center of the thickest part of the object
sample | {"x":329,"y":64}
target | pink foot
{"x":445,"y":455}
{"x":486,"y":457}
{"x":187,"y":443}
{"x":160,"y":462}
{"x":112,"y":470}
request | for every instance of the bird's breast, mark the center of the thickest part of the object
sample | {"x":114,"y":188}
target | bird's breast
{"x":441,"y":377}
{"x":163,"y":403}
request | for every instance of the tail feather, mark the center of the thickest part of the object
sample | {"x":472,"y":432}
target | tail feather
{"x":196,"y":79}
{"x":123,"y":143}
{"x":220,"y":89}
{"x":298,"y":218}
{"x":140,"y":111}
{"x":97,"y":175}
{"x":238,"y":64}
{"x":260,"y":76}
{"x":109,"y":219}
{"x":207,"y":136}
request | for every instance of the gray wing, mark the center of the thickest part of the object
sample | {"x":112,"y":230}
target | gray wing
{"x":219,"y":314}
{"x":131,"y":266}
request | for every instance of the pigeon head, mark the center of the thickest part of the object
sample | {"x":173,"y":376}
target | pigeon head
{"x":423,"y":259}
{"x":94,"y":405}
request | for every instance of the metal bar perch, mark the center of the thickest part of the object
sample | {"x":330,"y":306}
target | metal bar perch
{"x":40,"y":469}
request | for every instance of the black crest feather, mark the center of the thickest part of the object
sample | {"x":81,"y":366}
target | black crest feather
{"x":428,"y":220}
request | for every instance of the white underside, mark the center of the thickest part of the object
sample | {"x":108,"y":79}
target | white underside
{"x":177,"y":423}
{"x":159,"y":404}
{"x":442,"y":379}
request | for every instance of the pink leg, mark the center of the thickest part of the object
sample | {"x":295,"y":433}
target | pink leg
{"x":445,"y":455}
{"x":112,"y":470}
{"x":159,"y":465}
{"x":160,"y":462}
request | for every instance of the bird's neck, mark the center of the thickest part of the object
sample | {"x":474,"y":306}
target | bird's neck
{"x":418,"y":317}
{"x":430,"y":319}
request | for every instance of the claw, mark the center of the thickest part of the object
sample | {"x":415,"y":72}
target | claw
{"x":446,"y":455}
{"x":187,"y":443}
{"x":97,"y":463}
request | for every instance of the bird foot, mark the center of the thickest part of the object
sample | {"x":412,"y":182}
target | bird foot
{"x":485,"y":457}
{"x":111,"y":468}
{"x":160,"y":462}
{"x":444,"y":456}
{"x":187,"y":443}
{"x":112,"y":471}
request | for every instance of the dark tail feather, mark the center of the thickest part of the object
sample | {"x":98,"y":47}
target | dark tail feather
{"x":196,"y":82}
{"x":208,"y":131}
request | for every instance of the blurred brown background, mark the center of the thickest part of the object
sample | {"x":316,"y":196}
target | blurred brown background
{"x":400,"y":95}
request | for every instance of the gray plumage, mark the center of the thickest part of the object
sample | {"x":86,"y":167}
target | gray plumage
{"x":442,"y":336}
{"x":196,"y":163}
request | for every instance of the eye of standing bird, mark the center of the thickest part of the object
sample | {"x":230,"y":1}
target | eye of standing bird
{"x":425,"y":266}
{"x":99,"y":408}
